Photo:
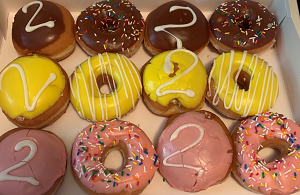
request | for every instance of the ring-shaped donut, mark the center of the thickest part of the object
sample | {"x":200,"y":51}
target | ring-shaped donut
{"x":95,"y":142}
{"x":110,"y":26}
{"x":241,"y":85}
{"x":114,"y":70}
{"x":269,"y":130}
{"x":242,"y":25}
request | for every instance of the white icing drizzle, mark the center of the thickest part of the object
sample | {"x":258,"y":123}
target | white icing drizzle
{"x":174,"y":135}
{"x":163,"y":27}
{"x":168,"y":70}
{"x":91,"y":101}
{"x":29,"y":28}
{"x":4,"y":176}
{"x":266,"y":83}
{"x":31,"y":107}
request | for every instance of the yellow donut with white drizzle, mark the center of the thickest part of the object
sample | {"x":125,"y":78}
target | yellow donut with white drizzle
{"x":114,"y":70}
{"x":34,"y":91}
{"x":241,"y":85}
{"x":174,"y":82}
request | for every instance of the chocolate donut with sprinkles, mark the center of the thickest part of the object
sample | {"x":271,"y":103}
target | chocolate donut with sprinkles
{"x":110,"y":26}
{"x":268,"y":130}
{"x":93,"y":145}
{"x":242,"y":25}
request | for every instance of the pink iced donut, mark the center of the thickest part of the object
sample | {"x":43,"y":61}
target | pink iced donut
{"x":268,"y":130}
{"x":195,"y":151}
{"x":95,"y":142}
{"x":32,"y":162}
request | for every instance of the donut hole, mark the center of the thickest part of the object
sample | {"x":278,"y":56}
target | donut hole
{"x":244,"y":24}
{"x":106,"y":84}
{"x":109,"y":25}
{"x":114,"y":157}
{"x":243,"y":80}
{"x":273,"y":150}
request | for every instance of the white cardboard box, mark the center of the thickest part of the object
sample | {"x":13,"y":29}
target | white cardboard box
{"x":285,"y":59}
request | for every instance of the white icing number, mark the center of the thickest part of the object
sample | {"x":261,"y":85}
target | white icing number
{"x":168,"y":70}
{"x":4,"y":176}
{"x":163,"y":27}
{"x":51,"y":78}
{"x":199,"y":170}
{"x":29,"y":28}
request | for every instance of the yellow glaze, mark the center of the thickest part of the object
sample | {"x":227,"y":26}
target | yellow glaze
{"x":36,"y":71}
{"x":263,"y":87}
{"x":188,"y":78}
{"x":86,"y":96}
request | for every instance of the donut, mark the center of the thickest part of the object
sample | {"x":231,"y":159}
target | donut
{"x":34,"y":91}
{"x":242,"y":26}
{"x":91,"y":148}
{"x":195,"y":151}
{"x":267,"y":130}
{"x":114,"y":70}
{"x":44,"y":27}
{"x":174,"y":82}
{"x":176,"y":25}
{"x":241,"y":85}
{"x":35,"y":162}
{"x":114,"y":26}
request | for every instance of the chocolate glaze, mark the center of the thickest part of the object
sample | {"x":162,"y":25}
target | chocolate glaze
{"x":193,"y":37}
{"x":43,"y":36}
{"x":112,"y":26}
{"x":244,"y":25}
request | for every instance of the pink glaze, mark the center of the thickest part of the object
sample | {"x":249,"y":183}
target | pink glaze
{"x":89,"y":145}
{"x":213,"y":154}
{"x":280,"y":176}
{"x":47,"y":165}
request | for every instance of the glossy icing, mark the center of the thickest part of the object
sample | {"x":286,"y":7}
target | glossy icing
{"x":243,"y":25}
{"x":42,"y":156}
{"x":202,"y":156}
{"x":29,"y":28}
{"x":87,"y":157}
{"x":188,"y":85}
{"x":4,"y":175}
{"x":182,"y":21}
{"x":86,"y":96}
{"x":37,"y":25}
{"x":263,"y":88}
{"x":110,"y":25}
{"x":280,"y":175}
{"x":29,"y":86}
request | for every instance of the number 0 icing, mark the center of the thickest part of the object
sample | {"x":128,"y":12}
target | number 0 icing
{"x":29,"y":28}
{"x":163,"y":27}
{"x":175,"y":134}
{"x":4,"y":176}
{"x":31,"y":107}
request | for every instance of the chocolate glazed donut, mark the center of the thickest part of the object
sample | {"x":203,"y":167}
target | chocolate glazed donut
{"x":174,"y":25}
{"x":242,"y":25}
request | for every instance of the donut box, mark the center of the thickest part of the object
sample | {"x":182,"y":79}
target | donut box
{"x":284,"y":58}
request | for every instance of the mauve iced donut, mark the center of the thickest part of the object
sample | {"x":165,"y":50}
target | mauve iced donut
{"x":34,"y":162}
{"x":195,"y":151}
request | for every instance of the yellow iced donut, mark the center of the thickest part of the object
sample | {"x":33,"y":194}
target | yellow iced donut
{"x":174,"y":81}
{"x":34,"y":91}
{"x":114,"y":70}
{"x":241,"y":85}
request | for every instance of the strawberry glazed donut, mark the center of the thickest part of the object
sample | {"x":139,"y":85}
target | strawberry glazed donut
{"x":195,"y":151}
{"x":268,"y":130}
{"x":242,"y":26}
{"x":91,"y":148}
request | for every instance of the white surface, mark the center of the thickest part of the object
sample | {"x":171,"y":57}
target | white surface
{"x":68,"y":126}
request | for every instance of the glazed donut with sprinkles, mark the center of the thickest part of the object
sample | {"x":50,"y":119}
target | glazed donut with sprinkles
{"x":92,"y":146}
{"x":110,"y":26}
{"x":268,"y":130}
{"x":242,"y":25}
